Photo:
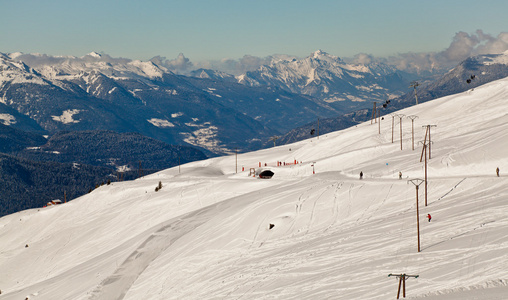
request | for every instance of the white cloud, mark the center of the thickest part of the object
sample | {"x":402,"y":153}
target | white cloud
{"x":363,"y":58}
{"x":463,"y":45}
{"x":180,"y":65}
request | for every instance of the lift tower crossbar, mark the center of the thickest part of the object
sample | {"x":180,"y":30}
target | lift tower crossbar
{"x":402,"y":281}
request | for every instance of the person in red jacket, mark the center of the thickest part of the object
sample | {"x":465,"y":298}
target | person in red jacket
{"x":429,"y":217}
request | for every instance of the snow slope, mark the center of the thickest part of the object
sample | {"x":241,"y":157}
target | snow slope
{"x":206,"y":234}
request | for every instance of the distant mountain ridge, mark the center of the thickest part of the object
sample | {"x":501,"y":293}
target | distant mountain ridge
{"x":469,"y":74}
{"x":345,"y":86}
{"x":99,"y":92}
{"x":211,"y":110}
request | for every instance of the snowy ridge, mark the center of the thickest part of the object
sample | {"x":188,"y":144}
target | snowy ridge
{"x":212,"y":74}
{"x":148,"y":68}
{"x":214,"y":233}
{"x":17,"y":72}
{"x":69,"y":67}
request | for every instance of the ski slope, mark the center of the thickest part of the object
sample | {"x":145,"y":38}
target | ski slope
{"x":206,"y":234}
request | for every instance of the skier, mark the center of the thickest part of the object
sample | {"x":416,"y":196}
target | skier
{"x":497,"y":172}
{"x":400,"y":175}
{"x":361,"y":175}
{"x":429,"y":217}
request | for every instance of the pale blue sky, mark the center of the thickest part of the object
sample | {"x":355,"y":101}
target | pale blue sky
{"x":206,"y":30}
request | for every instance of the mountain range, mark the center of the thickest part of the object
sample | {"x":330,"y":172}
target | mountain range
{"x":345,"y":86}
{"x":214,"y":111}
{"x":469,"y":74}
{"x":96,"y":93}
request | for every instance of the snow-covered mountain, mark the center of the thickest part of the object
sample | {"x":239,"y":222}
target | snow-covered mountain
{"x":345,"y":86}
{"x":215,"y":232}
{"x":470,"y":73}
{"x":100,"y":92}
{"x":212,"y":74}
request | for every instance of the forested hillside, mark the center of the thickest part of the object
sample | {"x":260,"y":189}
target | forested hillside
{"x":111,"y":149}
{"x":12,"y":139}
{"x":34,"y":170}
{"x":28,"y":184}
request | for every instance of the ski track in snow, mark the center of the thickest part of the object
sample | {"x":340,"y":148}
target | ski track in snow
{"x":116,"y":285}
